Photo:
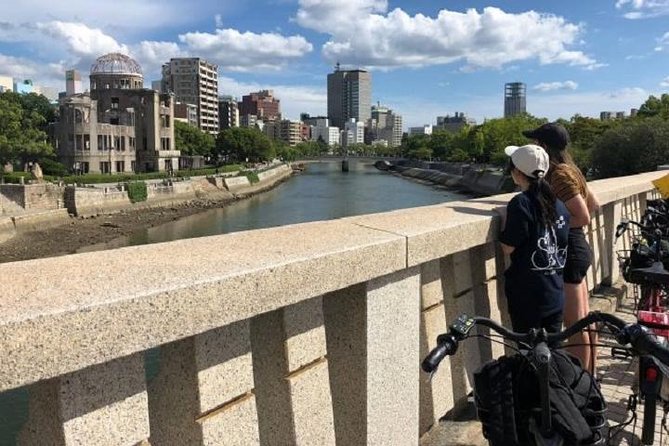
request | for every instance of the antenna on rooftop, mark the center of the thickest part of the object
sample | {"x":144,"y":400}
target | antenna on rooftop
{"x":337,"y":66}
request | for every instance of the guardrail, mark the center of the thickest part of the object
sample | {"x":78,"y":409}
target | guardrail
{"x":307,"y":334}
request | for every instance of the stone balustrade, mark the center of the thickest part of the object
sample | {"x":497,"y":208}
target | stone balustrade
{"x":309,"y":334}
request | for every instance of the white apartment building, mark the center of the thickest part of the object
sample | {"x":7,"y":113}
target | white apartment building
{"x":353,"y":133}
{"x":329,"y":134}
{"x":194,"y":81}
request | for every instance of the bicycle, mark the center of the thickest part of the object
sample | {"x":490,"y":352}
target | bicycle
{"x":645,"y":268}
{"x":535,"y":351}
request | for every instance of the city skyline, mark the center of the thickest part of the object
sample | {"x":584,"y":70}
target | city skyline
{"x":426,"y":59}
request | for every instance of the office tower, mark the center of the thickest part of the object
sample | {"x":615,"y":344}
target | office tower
{"x":194,"y":81}
{"x":72,"y":82}
{"x":349,"y":96}
{"x":514,"y":99}
{"x":262,"y":104}
{"x":228,"y":112}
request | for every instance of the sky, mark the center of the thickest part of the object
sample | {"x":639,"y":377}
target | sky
{"x":428,"y":58}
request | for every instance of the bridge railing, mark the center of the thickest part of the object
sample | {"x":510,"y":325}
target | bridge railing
{"x":307,"y":334}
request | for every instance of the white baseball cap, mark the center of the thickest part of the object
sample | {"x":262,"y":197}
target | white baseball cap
{"x":530,"y":159}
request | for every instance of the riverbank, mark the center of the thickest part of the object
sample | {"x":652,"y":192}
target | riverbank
{"x":472,"y":180}
{"x":79,"y":232}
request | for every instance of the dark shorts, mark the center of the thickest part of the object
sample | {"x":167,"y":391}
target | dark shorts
{"x":579,"y":257}
{"x":522,"y":324}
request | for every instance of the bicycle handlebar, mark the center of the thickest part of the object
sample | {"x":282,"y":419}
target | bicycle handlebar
{"x":638,"y":336}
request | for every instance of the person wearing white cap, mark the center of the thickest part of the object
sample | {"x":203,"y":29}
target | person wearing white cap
{"x":535,"y":234}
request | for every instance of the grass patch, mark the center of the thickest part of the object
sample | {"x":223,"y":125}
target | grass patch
{"x":250,"y":175}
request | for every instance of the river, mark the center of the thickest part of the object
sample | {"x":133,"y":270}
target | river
{"x":321,"y":192}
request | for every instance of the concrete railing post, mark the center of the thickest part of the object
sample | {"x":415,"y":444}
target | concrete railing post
{"x":436,"y":394}
{"x":203,"y":394}
{"x":292,"y":377}
{"x":458,"y":299}
{"x":81,"y":407}
{"x":373,"y":349}
{"x":612,"y":215}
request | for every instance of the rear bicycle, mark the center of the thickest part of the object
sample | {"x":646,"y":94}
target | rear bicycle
{"x":643,"y":266}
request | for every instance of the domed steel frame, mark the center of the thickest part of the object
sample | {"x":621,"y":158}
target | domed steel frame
{"x":116,"y":63}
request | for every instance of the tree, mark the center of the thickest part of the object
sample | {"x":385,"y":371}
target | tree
{"x":241,"y":143}
{"x":637,"y":145}
{"x":655,"y":107}
{"x":192,"y":141}
{"x":21,"y":134}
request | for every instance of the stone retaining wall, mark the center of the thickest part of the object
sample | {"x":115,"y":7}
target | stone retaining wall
{"x":92,"y":201}
{"x":43,"y":196}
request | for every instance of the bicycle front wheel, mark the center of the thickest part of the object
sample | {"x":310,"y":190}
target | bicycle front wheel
{"x":649,"y":409}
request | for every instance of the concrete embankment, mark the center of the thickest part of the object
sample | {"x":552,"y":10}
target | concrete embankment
{"x":90,"y":201}
{"x":462,"y":177}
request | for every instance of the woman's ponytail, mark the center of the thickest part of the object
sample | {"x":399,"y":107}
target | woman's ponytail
{"x":541,"y":191}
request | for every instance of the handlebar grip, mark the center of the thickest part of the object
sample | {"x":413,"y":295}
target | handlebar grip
{"x":646,"y":343}
{"x":446,"y":346}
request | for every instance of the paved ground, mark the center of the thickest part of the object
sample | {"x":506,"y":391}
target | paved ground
{"x":617,"y":377}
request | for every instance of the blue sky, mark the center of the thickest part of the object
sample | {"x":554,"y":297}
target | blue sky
{"x":427,"y":57}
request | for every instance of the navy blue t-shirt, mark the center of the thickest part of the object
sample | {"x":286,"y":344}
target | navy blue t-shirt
{"x":534,"y":286}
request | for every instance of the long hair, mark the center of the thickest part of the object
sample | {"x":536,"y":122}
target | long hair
{"x":558,"y":155}
{"x":542,"y":195}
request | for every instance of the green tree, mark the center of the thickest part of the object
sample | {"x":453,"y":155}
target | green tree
{"x":241,"y":143}
{"x":441,"y":144}
{"x":502,"y":132}
{"x":655,"y":107}
{"x":192,"y":141}
{"x":637,"y":145}
{"x":21,"y":134}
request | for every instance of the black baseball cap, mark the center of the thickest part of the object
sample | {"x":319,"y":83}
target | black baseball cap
{"x":552,"y":134}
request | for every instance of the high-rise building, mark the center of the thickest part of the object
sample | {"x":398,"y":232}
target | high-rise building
{"x":228,"y":112}
{"x":323,"y":131}
{"x":454,"y":123}
{"x":385,"y":125}
{"x":349,"y":96}
{"x":514,"y":99}
{"x":119,"y":126}
{"x":285,"y":130}
{"x":72,"y":82}
{"x":186,"y":113}
{"x":353,"y":133}
{"x":263,"y":104}
{"x":194,"y":81}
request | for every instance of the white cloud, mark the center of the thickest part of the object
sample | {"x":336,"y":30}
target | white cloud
{"x":551,"y":86}
{"x":80,"y":39}
{"x":642,"y":9}
{"x":363,"y":33}
{"x":153,"y":54}
{"x":239,"y":51}
{"x":17,"y":67}
{"x":665,"y":82}
{"x":294,"y":99}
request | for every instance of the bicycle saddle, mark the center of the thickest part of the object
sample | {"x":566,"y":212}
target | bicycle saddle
{"x":652,"y":274}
